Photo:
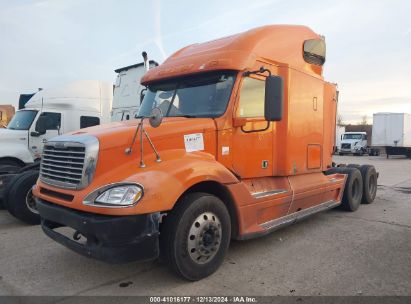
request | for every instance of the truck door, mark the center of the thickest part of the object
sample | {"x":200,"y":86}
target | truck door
{"x":47,"y":126}
{"x":252,"y":140}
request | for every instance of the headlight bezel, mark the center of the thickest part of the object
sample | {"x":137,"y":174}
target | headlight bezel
{"x":90,"y":199}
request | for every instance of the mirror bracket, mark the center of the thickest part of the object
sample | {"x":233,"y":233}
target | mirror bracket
{"x":239,"y":122}
{"x":259,"y":71}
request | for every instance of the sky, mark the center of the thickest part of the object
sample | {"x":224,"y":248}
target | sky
{"x":47,"y":43}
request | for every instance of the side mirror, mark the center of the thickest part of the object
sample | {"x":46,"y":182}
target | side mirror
{"x":274,"y":98}
{"x":41,"y":125}
{"x":156,"y":117}
{"x":34,"y":134}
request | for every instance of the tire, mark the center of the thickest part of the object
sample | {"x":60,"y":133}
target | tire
{"x":369,"y":177}
{"x":354,"y":166}
{"x":9,"y":165}
{"x":185,"y":230}
{"x":19,"y":201}
{"x":353,"y":189}
{"x":341,"y":154}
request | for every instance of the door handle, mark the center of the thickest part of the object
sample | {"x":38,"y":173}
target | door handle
{"x":315,"y":103}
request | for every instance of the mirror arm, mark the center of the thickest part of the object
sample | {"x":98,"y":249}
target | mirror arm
{"x":260,"y":71}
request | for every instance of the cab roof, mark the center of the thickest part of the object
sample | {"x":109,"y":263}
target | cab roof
{"x":86,"y":95}
{"x":279,"y":44}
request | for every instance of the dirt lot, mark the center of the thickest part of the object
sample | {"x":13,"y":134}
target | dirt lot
{"x":333,"y":253}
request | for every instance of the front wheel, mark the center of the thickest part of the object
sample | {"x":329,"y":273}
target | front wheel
{"x":195,"y":236}
{"x":19,"y":198}
{"x":9,"y":166}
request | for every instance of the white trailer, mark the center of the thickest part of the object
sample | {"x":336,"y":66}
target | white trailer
{"x":339,"y":131}
{"x":128,"y":91}
{"x":392,"y":131}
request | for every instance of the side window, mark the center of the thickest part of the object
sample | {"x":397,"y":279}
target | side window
{"x":52,"y":121}
{"x":89,"y":121}
{"x":365,"y":137}
{"x":251,"y":98}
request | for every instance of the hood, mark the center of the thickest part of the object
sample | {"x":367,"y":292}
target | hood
{"x":171,"y":132}
{"x":7,"y":135}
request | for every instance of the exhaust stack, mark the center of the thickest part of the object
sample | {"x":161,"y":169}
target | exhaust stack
{"x":146,"y":62}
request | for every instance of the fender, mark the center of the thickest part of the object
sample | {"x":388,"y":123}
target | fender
{"x":17,"y":151}
{"x":169,"y":179}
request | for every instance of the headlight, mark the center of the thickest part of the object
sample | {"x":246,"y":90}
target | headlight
{"x":116,"y":195}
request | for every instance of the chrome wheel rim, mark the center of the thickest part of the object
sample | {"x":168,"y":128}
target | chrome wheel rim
{"x":30,"y":202}
{"x":204,"y":238}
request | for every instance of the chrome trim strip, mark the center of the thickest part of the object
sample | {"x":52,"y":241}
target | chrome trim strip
{"x":89,"y":200}
{"x":63,"y":152}
{"x":268,"y":193}
{"x":296,"y":216}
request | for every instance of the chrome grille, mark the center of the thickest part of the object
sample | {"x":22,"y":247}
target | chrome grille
{"x":69,"y":162}
{"x":64,"y":164}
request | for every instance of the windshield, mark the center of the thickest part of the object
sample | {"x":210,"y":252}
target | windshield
{"x":352,"y":136}
{"x":203,"y":95}
{"x":22,"y":120}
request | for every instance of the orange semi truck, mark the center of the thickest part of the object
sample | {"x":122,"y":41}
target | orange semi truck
{"x":233,"y":140}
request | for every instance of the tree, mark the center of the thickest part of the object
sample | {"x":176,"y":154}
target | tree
{"x":340,"y":120}
{"x":364,"y":120}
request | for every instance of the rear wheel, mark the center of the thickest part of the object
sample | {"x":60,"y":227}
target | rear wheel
{"x":195,"y":236}
{"x":20,"y":201}
{"x":353,"y":189}
{"x":369,"y":176}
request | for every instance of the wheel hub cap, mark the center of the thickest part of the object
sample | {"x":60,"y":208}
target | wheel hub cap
{"x":31,"y":203}
{"x":204,"y":238}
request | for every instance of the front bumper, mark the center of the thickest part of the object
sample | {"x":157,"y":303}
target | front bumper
{"x":350,"y":151}
{"x":112,"y":239}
